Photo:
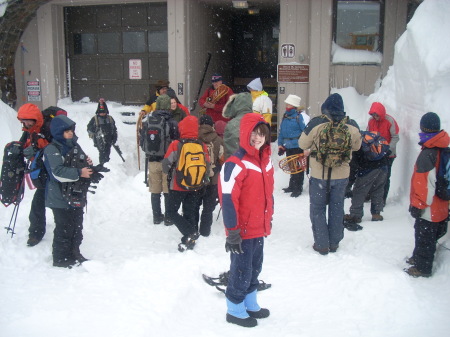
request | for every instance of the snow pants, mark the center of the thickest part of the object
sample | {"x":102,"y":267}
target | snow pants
{"x":37,"y":215}
{"x":185,"y":223}
{"x":245,"y":269}
{"x":209,"y":201}
{"x":68,"y":233}
{"x":426,"y":235}
{"x":327,"y":232}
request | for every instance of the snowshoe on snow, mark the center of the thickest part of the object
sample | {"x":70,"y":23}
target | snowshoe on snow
{"x":221,"y":282}
{"x":188,"y":242}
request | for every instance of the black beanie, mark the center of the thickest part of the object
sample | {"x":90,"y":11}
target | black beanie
{"x":102,"y":107}
{"x":333,"y":106}
{"x":206,"y":119}
{"x":430,"y":123}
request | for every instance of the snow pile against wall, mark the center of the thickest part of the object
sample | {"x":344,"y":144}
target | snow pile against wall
{"x":418,"y":82}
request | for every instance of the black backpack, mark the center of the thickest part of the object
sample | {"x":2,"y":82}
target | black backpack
{"x":48,"y":114}
{"x":155,"y":135}
{"x":12,"y":176}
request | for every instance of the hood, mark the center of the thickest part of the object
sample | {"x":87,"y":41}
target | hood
{"x":441,"y":140}
{"x":255,"y":85}
{"x":60,"y":124}
{"x":188,"y":127}
{"x":102,"y":107}
{"x":248,"y":123}
{"x":379,"y":109}
{"x":31,"y":111}
{"x":163,"y":102}
{"x":238,"y":104}
{"x":334,"y":107}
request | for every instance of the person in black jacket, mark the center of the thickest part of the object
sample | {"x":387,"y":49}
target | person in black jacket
{"x":102,"y":128}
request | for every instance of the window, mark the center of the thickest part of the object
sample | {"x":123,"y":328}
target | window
{"x":84,"y":44}
{"x":157,"y":41}
{"x":109,"y":43}
{"x":358,"y":24}
{"x":134,"y":42}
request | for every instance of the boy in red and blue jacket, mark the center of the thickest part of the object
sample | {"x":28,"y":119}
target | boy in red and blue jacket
{"x":246,"y":195}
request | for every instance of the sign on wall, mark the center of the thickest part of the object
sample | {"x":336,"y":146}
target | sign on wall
{"x":288,"y":50}
{"x":33,"y":91}
{"x":293,"y":73}
{"x":135,"y":68}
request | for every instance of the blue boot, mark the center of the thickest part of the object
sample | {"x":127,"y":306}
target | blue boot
{"x":252,"y":307}
{"x":237,"y":314}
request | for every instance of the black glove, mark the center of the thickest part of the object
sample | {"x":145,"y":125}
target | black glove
{"x":281,"y":150}
{"x":233,"y":242}
{"x":100,"y":168}
{"x":15,"y":149}
{"x":415,"y":212}
{"x":29,"y":152}
{"x":96,"y":177}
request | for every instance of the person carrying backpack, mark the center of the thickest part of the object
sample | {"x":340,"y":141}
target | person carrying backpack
{"x":371,"y":161}
{"x":429,"y":211}
{"x":159,"y":130}
{"x":102,"y":129}
{"x":187,"y":164}
{"x":214,"y":143}
{"x":329,"y":140}
{"x":66,"y":163}
{"x":291,"y":128}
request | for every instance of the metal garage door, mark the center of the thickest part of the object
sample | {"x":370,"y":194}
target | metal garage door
{"x":117,"y":52}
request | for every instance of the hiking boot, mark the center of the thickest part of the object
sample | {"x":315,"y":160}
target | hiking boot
{"x":288,"y":190}
{"x":32,"y":241}
{"x":158,"y":218}
{"x":414,"y":272}
{"x":351,"y":219}
{"x":411,"y":261}
{"x":353,"y":227}
{"x":333,"y":248}
{"x":296,"y":194}
{"x":188,"y":242}
{"x":248,"y":322}
{"x":377,"y":217}
{"x":323,"y":251}
{"x":66,"y":263}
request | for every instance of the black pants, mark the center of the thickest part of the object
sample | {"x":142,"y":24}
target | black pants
{"x":185,"y":223}
{"x":426,"y":234}
{"x":37,"y":215}
{"x":104,"y":153}
{"x":68,"y":233}
{"x":209,"y":201}
{"x":296,"y":180}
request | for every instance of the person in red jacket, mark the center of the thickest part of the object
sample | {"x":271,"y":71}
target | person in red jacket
{"x":215,"y":98}
{"x":33,"y":139}
{"x":246,"y":194}
{"x":186,"y":223}
{"x":430,"y":211}
{"x":388,"y":128}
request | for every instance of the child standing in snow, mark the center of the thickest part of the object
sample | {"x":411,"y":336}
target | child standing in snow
{"x":245,"y":191}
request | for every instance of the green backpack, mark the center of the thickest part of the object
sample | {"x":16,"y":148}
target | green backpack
{"x":335,"y":145}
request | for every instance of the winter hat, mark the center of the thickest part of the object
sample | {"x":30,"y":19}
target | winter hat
{"x":216,"y":78}
{"x":162,"y":84}
{"x":171,"y":93}
{"x":255,"y":85}
{"x":293,"y":100}
{"x":219,"y":126}
{"x":430,"y":123}
{"x":333,"y":106}
{"x":163,"y":102}
{"x":102,"y":107}
{"x":206,"y":119}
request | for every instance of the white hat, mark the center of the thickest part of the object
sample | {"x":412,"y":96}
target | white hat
{"x":293,"y":100}
{"x":255,"y":85}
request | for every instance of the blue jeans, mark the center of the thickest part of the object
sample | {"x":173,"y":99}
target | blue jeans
{"x":245,"y":269}
{"x":331,"y":232}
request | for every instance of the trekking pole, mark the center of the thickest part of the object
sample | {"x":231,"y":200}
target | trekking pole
{"x":194,"y":105}
{"x":218,"y":215}
{"x":14,"y":215}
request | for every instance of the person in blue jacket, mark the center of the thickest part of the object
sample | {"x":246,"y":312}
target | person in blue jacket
{"x":291,"y":128}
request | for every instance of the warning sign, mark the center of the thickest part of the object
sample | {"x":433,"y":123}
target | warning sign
{"x":293,"y":73}
{"x":33,"y":91}
{"x":135,"y":68}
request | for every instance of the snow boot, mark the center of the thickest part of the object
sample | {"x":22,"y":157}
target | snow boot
{"x":253,"y":309}
{"x":236,"y":314}
{"x":158,"y":217}
{"x":414,"y":272}
{"x":296,"y":194}
{"x":377,"y":217}
{"x":32,"y":241}
{"x":64,"y":263}
{"x":321,"y":251}
{"x":77,"y":255}
{"x":188,"y":242}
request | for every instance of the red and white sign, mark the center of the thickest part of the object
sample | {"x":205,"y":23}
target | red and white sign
{"x":33,"y":91}
{"x":135,"y":68}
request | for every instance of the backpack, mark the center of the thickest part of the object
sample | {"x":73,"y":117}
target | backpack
{"x":374,"y":146}
{"x":37,"y":170}
{"x":335,"y":146}
{"x":12,"y":175}
{"x":443,"y":175}
{"x":191,"y":167}
{"x":101,"y":140}
{"x":48,"y":114}
{"x":155,"y":136}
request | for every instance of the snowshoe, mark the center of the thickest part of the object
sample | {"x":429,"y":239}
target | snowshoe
{"x":188,"y":242}
{"x":221,"y":282}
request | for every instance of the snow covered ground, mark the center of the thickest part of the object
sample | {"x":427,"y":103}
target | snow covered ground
{"x":137,"y":284}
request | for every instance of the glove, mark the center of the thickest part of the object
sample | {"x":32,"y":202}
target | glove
{"x":96,"y":177}
{"x":100,"y":168}
{"x":16,"y":149}
{"x":415,"y":212}
{"x":91,"y":134}
{"x":233,"y":242}
{"x":29,"y":152}
{"x":281,"y":150}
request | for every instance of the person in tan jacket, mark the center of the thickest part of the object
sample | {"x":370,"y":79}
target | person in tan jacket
{"x":327,"y":183}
